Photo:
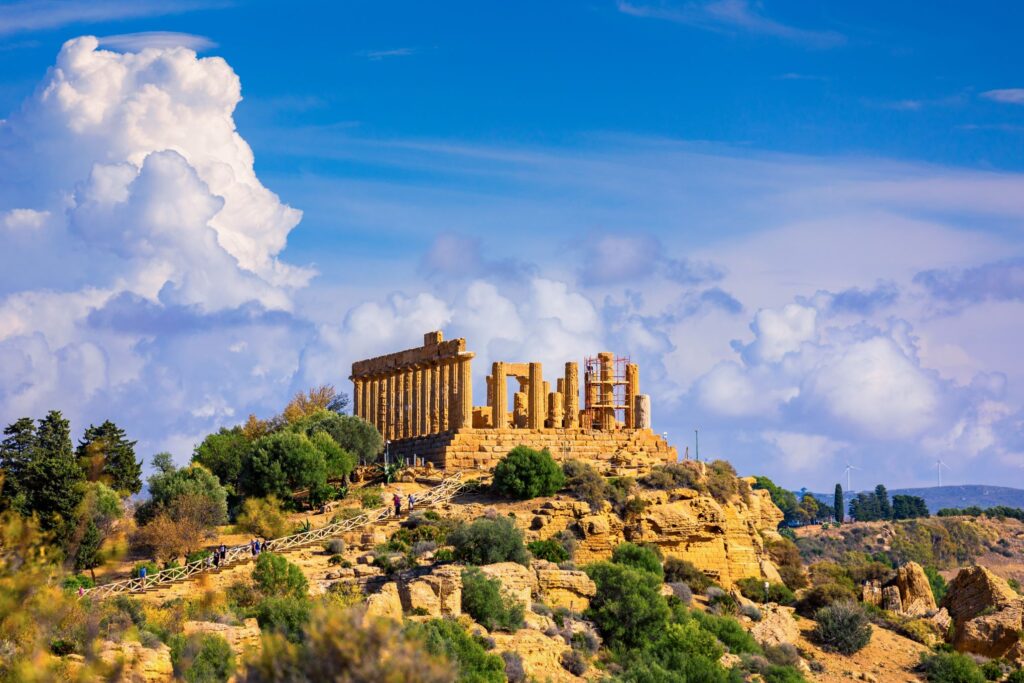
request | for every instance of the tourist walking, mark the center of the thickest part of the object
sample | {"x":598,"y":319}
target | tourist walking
{"x":412,"y":502}
{"x":398,"y":505}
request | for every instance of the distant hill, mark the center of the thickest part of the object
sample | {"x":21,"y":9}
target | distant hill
{"x":954,"y":496}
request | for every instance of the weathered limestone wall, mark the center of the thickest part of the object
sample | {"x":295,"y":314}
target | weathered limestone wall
{"x":483,"y":448}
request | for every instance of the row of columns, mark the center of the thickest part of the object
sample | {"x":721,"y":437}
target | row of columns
{"x":417,"y":400}
{"x":543,"y":407}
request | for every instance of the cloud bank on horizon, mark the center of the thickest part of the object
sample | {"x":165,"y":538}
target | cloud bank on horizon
{"x":147,"y":278}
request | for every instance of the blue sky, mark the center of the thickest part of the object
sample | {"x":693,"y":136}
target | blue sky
{"x":804,"y":222}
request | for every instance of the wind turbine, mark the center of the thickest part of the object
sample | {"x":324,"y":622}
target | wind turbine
{"x":938,"y":468}
{"x":849,"y":467}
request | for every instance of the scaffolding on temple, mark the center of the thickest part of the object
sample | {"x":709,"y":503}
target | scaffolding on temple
{"x":606,"y":394}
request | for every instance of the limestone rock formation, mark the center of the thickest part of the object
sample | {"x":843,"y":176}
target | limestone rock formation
{"x":517,"y":581}
{"x":563,"y":587}
{"x":914,"y":590}
{"x":240,"y":638}
{"x":988,"y":616}
{"x":139,"y":663}
{"x":541,"y":655}
{"x":385,"y":604}
{"x":777,"y":626}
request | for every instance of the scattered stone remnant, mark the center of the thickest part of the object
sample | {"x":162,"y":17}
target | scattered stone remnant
{"x":988,"y":616}
{"x":907,"y":593}
{"x":421,"y":401}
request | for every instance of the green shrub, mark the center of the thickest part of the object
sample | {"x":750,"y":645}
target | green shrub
{"x":371,"y":498}
{"x":76,"y":581}
{"x":937,"y":583}
{"x":447,"y":638}
{"x":575,"y":662}
{"x":783,"y":674}
{"x":285,"y":614}
{"x":202,"y":658}
{"x":722,"y":603}
{"x":638,"y":557}
{"x":525,"y":473}
{"x":682,"y":571}
{"x":263,"y":517}
{"x":722,"y":482}
{"x":628,"y":608}
{"x":793,"y":577}
{"x":1016,"y":677}
{"x":482,"y":600}
{"x":487,"y":541}
{"x":729,"y":632}
{"x":753,"y":589}
{"x":950,"y":667}
{"x":675,"y":475}
{"x":993,"y":670}
{"x":843,"y":627}
{"x":683,"y":651}
{"x":276,"y":576}
{"x":823,"y":596}
{"x":548,"y":549}
{"x":585,"y":483}
{"x":198,"y":555}
{"x":444,"y":555}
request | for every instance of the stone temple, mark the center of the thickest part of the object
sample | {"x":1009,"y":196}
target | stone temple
{"x":421,"y":401}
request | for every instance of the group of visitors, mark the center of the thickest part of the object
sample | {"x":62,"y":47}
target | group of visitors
{"x":397,"y":499}
{"x":256,"y":547}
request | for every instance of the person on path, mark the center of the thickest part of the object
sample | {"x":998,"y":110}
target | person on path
{"x":216,"y":557}
{"x":412,"y":502}
{"x":142,"y":573}
{"x":263,"y":546}
{"x":398,"y":505}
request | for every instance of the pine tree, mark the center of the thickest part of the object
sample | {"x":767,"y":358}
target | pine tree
{"x":88,"y":555}
{"x":119,"y":467}
{"x":53,"y":477}
{"x":15,"y":453}
{"x":884,"y":508}
{"x":840,"y":507}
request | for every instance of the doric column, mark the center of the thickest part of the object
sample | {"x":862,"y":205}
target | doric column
{"x":390,"y":400}
{"x":535,"y":400}
{"x":499,"y":393}
{"x":435,"y":382}
{"x":426,"y":393}
{"x":442,"y":395}
{"x":453,"y":394}
{"x":374,"y":404}
{"x":406,"y":404}
{"x":364,"y":400}
{"x":571,"y":394}
{"x":554,"y":410}
{"x":632,"y":391}
{"x":465,"y":391}
{"x":642,"y":410}
{"x":357,"y":396}
{"x":414,"y":404}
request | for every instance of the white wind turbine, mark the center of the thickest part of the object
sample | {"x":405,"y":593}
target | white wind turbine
{"x":938,"y":468}
{"x":847,"y":471}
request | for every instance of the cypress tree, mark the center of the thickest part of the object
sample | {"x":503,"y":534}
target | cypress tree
{"x":840,"y":507}
{"x":15,"y":453}
{"x":53,"y":477}
{"x":119,"y":468}
{"x":884,"y":508}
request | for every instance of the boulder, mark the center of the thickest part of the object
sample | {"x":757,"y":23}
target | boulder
{"x":139,"y":663}
{"x":240,"y":638}
{"x":777,"y":626}
{"x":914,"y":589}
{"x":418,"y":598}
{"x":891,"y":599}
{"x":542,"y":656}
{"x":568,"y":588}
{"x":988,"y":616}
{"x":517,"y":581}
{"x":446,"y":582}
{"x":385,"y":604}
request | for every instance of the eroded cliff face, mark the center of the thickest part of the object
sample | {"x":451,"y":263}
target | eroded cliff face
{"x":722,"y":539}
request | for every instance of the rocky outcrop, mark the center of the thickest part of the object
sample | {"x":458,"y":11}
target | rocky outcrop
{"x":541,"y":655}
{"x":914,"y":589}
{"x":241,"y":637}
{"x":138,"y":663}
{"x":567,"y":588}
{"x":517,"y":581}
{"x":777,"y":626}
{"x":385,"y":604}
{"x":723,"y":540}
{"x":988,"y":616}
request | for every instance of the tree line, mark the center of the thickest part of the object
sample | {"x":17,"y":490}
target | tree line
{"x":77,"y":494}
{"x":864,"y":507}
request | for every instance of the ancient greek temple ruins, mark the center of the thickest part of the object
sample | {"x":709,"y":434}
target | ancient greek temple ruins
{"x":421,"y":401}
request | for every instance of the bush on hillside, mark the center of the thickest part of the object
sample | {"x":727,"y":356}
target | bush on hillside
{"x":639,"y":557}
{"x":487,"y":541}
{"x":585,"y":483}
{"x":276,"y":576}
{"x":284,"y":614}
{"x":202,"y":658}
{"x":823,"y":596}
{"x":729,"y":632}
{"x":721,"y":603}
{"x":549,"y":549}
{"x":950,"y":667}
{"x":674,"y":476}
{"x":628,"y":608}
{"x":843,"y":627}
{"x":753,"y":589}
{"x":722,"y":482}
{"x":793,"y":577}
{"x":447,"y":638}
{"x":482,"y":599}
{"x":683,"y":571}
{"x":263,"y":517}
{"x":526,"y":473}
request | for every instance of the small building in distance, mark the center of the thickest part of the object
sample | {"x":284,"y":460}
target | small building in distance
{"x":421,"y":401}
